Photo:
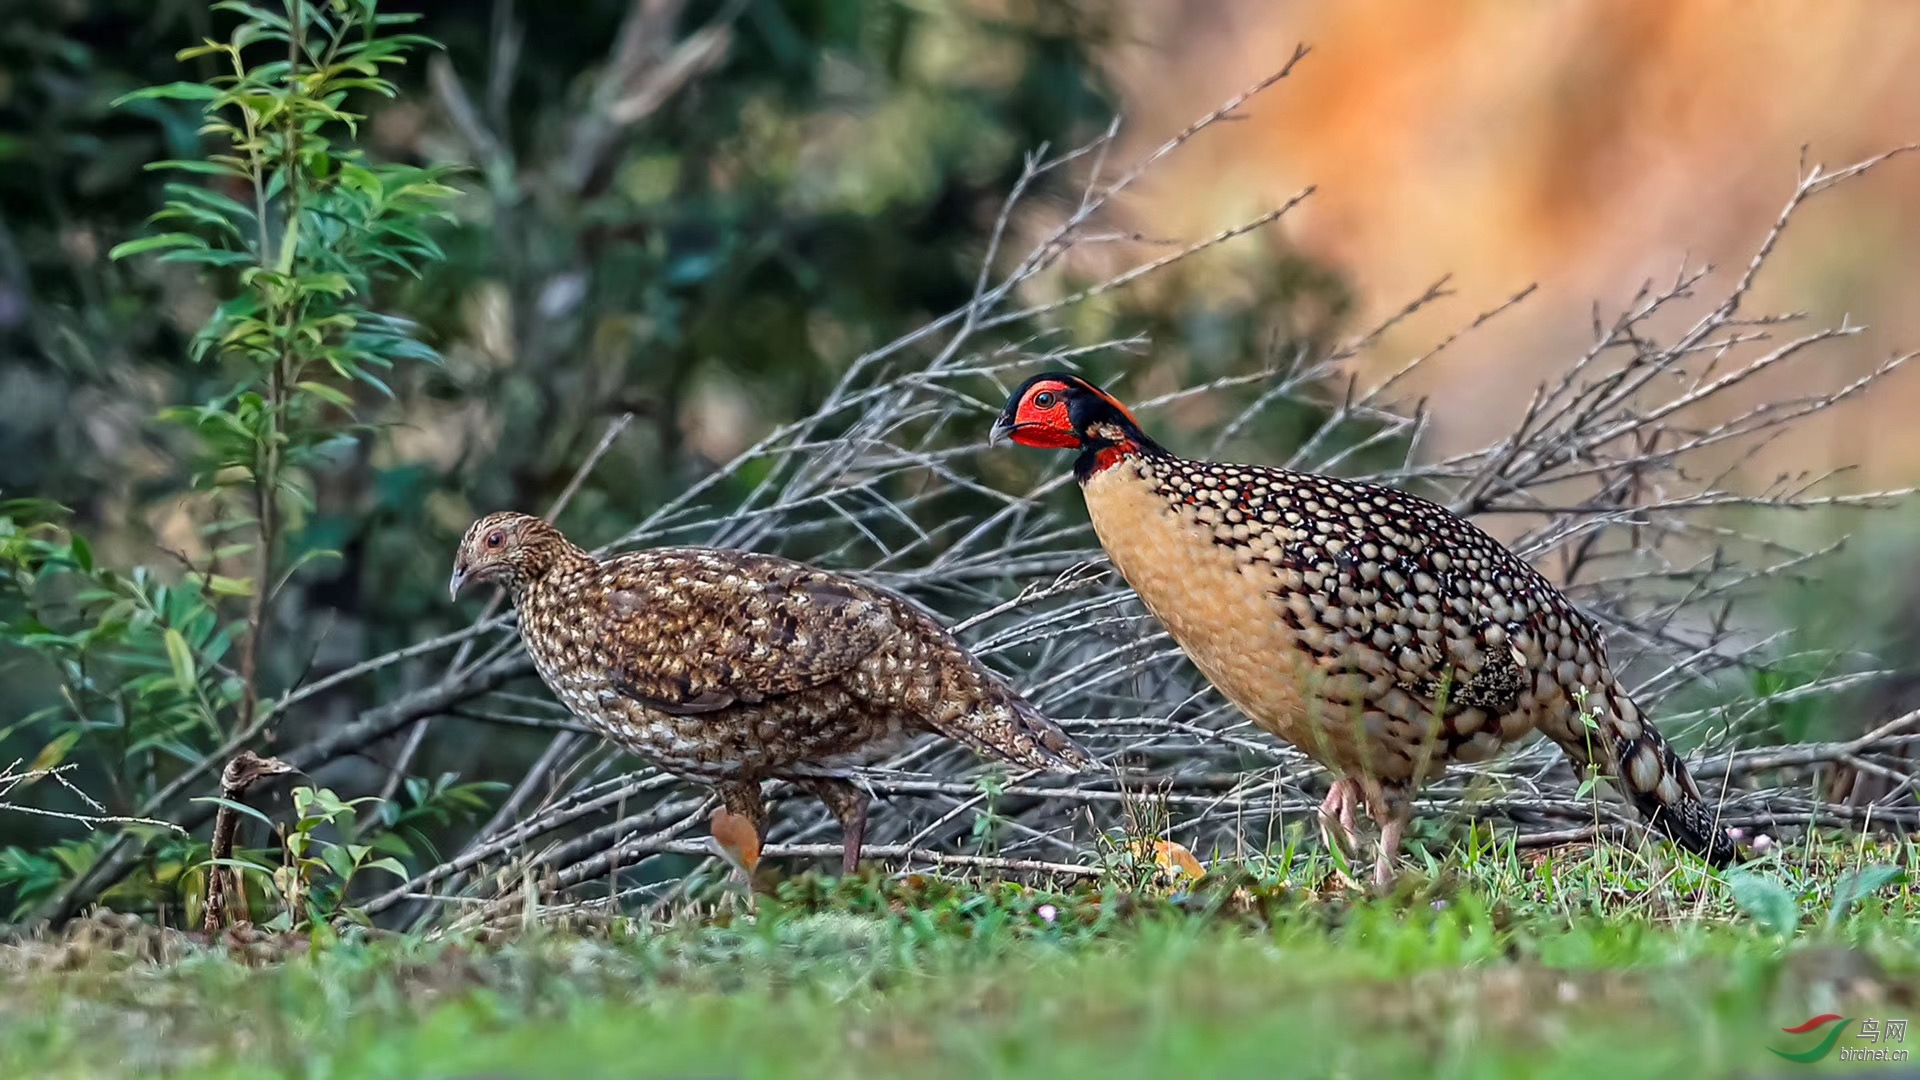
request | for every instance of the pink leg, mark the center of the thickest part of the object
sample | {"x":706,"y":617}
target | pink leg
{"x":1337,"y":809}
{"x":1390,"y":809}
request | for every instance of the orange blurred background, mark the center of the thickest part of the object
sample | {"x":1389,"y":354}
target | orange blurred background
{"x":1586,"y":145}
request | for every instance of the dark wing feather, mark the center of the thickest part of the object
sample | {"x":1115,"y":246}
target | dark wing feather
{"x":696,"y":633}
{"x":1370,"y":550}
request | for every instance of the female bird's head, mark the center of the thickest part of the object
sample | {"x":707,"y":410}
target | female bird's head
{"x":507,"y":548}
{"x":1058,"y":411}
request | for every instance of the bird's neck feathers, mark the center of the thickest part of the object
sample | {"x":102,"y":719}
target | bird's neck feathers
{"x":543,"y":557}
{"x":1110,"y":440}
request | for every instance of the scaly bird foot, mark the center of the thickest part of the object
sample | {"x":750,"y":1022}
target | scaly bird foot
{"x":1392,"y":826}
{"x":1337,"y":811}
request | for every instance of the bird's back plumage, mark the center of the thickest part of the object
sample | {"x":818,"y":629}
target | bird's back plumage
{"x":730,"y":664}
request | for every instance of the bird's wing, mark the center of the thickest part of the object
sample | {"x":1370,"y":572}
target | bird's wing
{"x":690,"y":634}
{"x":1393,"y":570}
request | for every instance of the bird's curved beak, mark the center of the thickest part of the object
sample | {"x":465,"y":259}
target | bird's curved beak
{"x":1002,"y":430}
{"x":454,"y":583}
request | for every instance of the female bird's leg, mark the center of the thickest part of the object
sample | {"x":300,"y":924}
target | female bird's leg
{"x":739,"y":826}
{"x":848,"y":803}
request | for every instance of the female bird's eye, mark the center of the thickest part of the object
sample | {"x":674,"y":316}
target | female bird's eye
{"x":495,"y":539}
{"x":1043,"y":400}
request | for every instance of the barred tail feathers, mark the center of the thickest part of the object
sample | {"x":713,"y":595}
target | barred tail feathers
{"x":980,"y":710}
{"x":1048,"y":736}
{"x":1002,"y":724}
{"x":1644,"y":767}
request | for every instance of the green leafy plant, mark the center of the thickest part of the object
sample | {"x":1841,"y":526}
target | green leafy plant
{"x":298,"y":232}
{"x":140,"y":659}
{"x":986,"y":823}
{"x":320,"y":227}
{"x":1767,"y":900}
{"x":312,"y":876}
{"x":398,"y":826}
{"x":1590,"y":723}
{"x":140,"y":670}
{"x":312,"y":883}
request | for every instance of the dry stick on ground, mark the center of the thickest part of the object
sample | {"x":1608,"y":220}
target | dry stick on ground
{"x":223,"y":880}
{"x":888,"y":468}
{"x":598,"y":854}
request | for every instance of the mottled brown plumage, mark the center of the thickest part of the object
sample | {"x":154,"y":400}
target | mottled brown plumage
{"x":731,"y":668}
{"x":1376,"y":631}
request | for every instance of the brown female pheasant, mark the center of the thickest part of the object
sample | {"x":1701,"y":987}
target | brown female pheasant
{"x":1379,"y":633}
{"x":730,"y":667}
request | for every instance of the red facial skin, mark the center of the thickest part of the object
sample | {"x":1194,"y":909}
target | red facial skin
{"x":1054,"y":414}
{"x":1042,"y":421}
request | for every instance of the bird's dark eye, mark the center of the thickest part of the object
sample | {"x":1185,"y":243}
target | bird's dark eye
{"x":1043,"y":400}
{"x":495,"y":539}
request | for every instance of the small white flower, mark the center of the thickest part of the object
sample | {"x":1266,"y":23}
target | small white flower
{"x":1762,"y":844}
{"x":1047,"y":912}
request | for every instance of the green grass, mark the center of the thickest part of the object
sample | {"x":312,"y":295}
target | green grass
{"x":1606,"y":964}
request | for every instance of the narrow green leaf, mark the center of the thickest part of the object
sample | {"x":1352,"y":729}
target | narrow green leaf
{"x":55,"y":752}
{"x":175,"y":91}
{"x":326,"y":393}
{"x":339,"y":861}
{"x":240,"y":807}
{"x":224,"y":205}
{"x":194,"y":52}
{"x":1857,"y":886}
{"x":254,"y":14}
{"x":207,"y":257}
{"x":289,"y":245}
{"x":152,"y":243}
{"x":426,"y":190}
{"x":389,"y":864}
{"x":241,"y":865}
{"x":222,"y":585}
{"x":181,"y":658}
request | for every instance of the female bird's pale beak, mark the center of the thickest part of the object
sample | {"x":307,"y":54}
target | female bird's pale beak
{"x":453,"y":585}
